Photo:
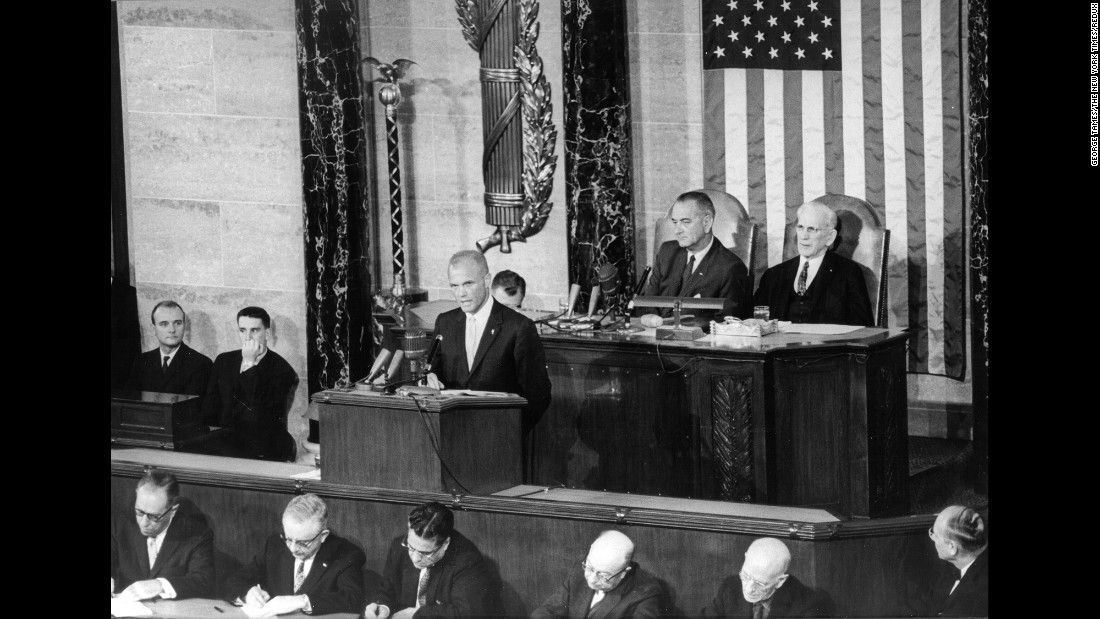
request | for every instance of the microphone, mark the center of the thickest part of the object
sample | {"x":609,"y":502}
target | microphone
{"x":593,"y":297}
{"x":432,"y":350}
{"x":398,"y":358}
{"x":379,"y":366}
{"x":574,"y":290}
{"x":414,"y":344}
{"x":642,"y":280}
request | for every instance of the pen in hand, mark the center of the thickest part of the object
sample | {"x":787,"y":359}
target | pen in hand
{"x":218,"y":608}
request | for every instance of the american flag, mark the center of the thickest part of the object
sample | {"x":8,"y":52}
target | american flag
{"x":856,"y":97}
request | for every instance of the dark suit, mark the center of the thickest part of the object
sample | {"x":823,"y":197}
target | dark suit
{"x":838,"y":294}
{"x":719,"y":274}
{"x":253,"y":403}
{"x":638,"y":595}
{"x":185,"y":560}
{"x":970,"y":598}
{"x":509,"y":358}
{"x":793,"y":599}
{"x":188,"y":373}
{"x":459,"y":585}
{"x":334,"y":583}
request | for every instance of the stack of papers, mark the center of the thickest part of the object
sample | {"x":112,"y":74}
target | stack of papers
{"x":128,"y":608}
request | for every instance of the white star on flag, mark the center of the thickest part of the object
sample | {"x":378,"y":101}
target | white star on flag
{"x":717,"y":20}
{"x":759,"y":37}
{"x":828,"y":53}
{"x":720,"y":52}
{"x":774,"y":53}
{"x":813,"y":5}
{"x":786,"y":5}
{"x":747,"y":52}
{"x":733,"y":36}
{"x":800,"y":53}
{"x":798,"y":21}
{"x":828,"y":21}
{"x":733,"y":5}
{"x":745,"y":20}
{"x":813,"y":37}
{"x":773,"y":20}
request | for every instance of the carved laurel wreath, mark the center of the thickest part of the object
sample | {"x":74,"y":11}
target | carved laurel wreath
{"x":539,"y":134}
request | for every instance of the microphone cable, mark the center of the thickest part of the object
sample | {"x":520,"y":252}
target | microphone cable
{"x":435,"y":443}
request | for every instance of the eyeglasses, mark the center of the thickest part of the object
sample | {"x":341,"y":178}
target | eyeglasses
{"x":302,"y":543}
{"x":808,"y":229}
{"x":601,"y":576}
{"x":151,"y":517}
{"x":745,"y":578}
{"x":421,"y":553}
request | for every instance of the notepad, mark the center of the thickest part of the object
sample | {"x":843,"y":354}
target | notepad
{"x":129,"y":608}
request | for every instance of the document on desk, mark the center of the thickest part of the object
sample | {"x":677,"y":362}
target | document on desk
{"x":817,"y":329}
{"x":129,"y":608}
{"x":499,"y":394}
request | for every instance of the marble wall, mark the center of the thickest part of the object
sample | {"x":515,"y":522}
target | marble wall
{"x":440,"y":131}
{"x":213,"y":169}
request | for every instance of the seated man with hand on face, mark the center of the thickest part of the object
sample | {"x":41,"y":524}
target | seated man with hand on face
{"x":764,"y":589}
{"x":163,"y":549}
{"x":509,"y":288}
{"x":172,"y":367}
{"x":307,"y":568}
{"x":432,"y":570}
{"x":698,"y":265}
{"x":609,"y":584}
{"x":818,"y":285}
{"x":251,"y":391}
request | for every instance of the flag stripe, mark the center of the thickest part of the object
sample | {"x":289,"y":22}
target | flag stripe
{"x":813,"y":134}
{"x":754,"y":147}
{"x":893,"y":156}
{"x":954,"y":285}
{"x":793,"y":138}
{"x":932,"y":97}
{"x":851,"y":54}
{"x":716,"y":141}
{"x":774,"y":162}
{"x":832,"y":126}
{"x":736,"y":136}
{"x":916,"y":196}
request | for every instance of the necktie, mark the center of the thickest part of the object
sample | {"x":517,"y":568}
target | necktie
{"x":164,"y":365}
{"x":596,"y":598}
{"x":299,"y":575}
{"x":686,"y":274}
{"x":422,"y":588}
{"x":958,"y":577}
{"x":152,"y":542}
{"x":471,"y":340}
{"x":802,"y":278}
{"x":758,"y":610}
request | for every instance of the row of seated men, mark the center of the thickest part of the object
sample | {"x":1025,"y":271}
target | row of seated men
{"x":432,"y":570}
{"x":817,"y":286}
{"x":249,"y":390}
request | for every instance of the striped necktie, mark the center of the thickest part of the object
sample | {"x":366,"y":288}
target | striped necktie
{"x":422,"y":588}
{"x":802,"y":278}
{"x":299,"y":575}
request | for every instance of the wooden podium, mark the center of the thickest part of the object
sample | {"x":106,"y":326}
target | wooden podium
{"x":153,"y":419}
{"x":391,"y":441}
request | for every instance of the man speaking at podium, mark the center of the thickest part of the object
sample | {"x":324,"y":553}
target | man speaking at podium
{"x":487,"y":346}
{"x":698,"y":265}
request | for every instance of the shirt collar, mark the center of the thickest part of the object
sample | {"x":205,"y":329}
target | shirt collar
{"x":482,"y":315}
{"x":702,"y":252}
{"x":172,"y":355}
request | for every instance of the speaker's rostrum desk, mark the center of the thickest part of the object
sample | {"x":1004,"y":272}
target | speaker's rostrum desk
{"x":786,"y":419}
{"x":421,"y":443}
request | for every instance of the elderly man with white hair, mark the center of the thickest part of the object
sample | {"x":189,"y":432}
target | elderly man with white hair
{"x":818,"y":285}
{"x":764,"y":589}
{"x":608,"y":584}
{"x":962,"y":587}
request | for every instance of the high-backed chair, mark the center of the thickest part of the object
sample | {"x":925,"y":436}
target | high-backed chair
{"x":861,"y":238}
{"x":732,"y":226}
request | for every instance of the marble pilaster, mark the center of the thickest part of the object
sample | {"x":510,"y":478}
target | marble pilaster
{"x":598,"y":178}
{"x":978,"y":177}
{"x":338,"y":309}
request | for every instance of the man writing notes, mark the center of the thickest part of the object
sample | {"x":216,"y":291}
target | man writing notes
{"x":164,"y":549}
{"x":432,"y":570}
{"x":487,"y":346}
{"x":172,"y":367}
{"x":698,"y":265}
{"x":764,"y":589}
{"x":817,"y":285}
{"x":307,"y":568}
{"x":608,"y":584}
{"x":251,"y":391}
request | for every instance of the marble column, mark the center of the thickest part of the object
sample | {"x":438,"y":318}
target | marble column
{"x":978,"y":176}
{"x":598,"y":178}
{"x":338,"y":284}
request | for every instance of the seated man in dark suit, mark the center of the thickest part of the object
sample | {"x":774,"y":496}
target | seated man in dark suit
{"x":764,"y":589}
{"x":607,"y":585}
{"x":172,"y":367}
{"x":433,"y":571}
{"x":487,"y":346}
{"x":698,"y":265}
{"x":961,"y":588}
{"x":307,"y":568}
{"x":818,"y":285}
{"x":251,"y":391}
{"x":167,"y":551}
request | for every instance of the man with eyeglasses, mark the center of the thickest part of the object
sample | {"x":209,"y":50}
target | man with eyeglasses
{"x":764,"y":589}
{"x":817,"y":285}
{"x":165,"y":548}
{"x":432,"y":570}
{"x":961,"y":587}
{"x":307,"y":568}
{"x":608,"y":584}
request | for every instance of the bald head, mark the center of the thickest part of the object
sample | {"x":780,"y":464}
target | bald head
{"x":472,"y":259}
{"x":959,"y":533}
{"x":765,"y":569}
{"x":608,"y":559}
